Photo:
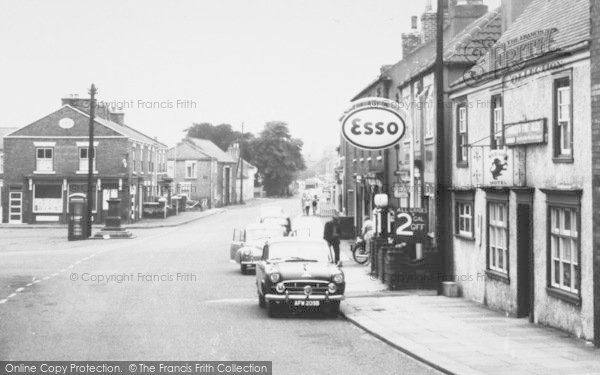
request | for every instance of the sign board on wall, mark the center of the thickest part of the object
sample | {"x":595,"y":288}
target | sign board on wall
{"x":500,"y":167}
{"x":412,"y":224}
{"x":374,"y":123}
{"x":526,"y":132}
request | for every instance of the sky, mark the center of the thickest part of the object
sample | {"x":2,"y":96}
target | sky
{"x":169,"y":64}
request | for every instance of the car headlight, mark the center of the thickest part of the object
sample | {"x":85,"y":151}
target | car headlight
{"x":332,"y":288}
{"x":339,"y":278}
{"x":280,"y":288}
{"x":274,"y":277}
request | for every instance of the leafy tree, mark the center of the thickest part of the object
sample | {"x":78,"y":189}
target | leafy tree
{"x":277,"y":156}
{"x":222,"y":135}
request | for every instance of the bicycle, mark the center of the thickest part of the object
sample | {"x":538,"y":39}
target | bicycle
{"x":360,"y":252}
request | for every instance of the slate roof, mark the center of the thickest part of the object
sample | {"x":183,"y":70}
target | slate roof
{"x":571,"y":18}
{"x":186,"y":151}
{"x":211,"y":150}
{"x":466,"y":47}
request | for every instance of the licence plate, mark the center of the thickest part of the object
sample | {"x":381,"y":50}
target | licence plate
{"x":307,"y":303}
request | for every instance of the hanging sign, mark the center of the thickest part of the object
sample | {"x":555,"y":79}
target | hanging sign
{"x":374,"y":123}
{"x":412,"y":224}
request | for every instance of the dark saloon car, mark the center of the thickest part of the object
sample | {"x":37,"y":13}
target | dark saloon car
{"x":299,"y":272}
{"x":247,"y":245}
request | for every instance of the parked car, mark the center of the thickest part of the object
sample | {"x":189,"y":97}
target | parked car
{"x":275,"y":216}
{"x":307,"y":226}
{"x":299,"y":272}
{"x":247,"y":244}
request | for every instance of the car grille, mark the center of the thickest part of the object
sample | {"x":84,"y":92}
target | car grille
{"x":297,"y":287}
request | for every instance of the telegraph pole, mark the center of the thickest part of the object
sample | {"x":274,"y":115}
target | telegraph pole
{"x":241,"y":160}
{"x":91,"y":156}
{"x":442,"y":210}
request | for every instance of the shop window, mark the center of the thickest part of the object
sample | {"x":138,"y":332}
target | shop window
{"x":47,"y":199}
{"x":498,"y":237}
{"x":44,"y":161}
{"x":497,"y":130}
{"x":461,"y":138}
{"x":563,"y":120}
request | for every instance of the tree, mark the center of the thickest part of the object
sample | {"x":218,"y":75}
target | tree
{"x":277,"y":156}
{"x":222,"y":135}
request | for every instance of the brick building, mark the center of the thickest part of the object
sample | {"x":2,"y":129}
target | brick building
{"x":201,"y":170}
{"x":522,"y":172}
{"x":3,"y":132}
{"x":47,"y":161}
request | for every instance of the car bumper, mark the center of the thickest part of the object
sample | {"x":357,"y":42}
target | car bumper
{"x":296,"y":297}
{"x":249,"y":262}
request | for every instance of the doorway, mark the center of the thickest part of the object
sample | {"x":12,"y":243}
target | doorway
{"x":524,"y":261}
{"x":227,"y":185}
{"x":15,"y":210}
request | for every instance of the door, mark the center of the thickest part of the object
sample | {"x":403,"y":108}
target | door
{"x":15,"y":210}
{"x":227,"y":185}
{"x":524,"y":262}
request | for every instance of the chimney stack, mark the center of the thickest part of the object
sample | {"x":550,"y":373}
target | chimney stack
{"x":411,"y":40}
{"x":511,"y":10}
{"x":118,"y":117}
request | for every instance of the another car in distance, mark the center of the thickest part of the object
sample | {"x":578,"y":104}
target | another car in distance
{"x":307,"y":226}
{"x":247,"y":244}
{"x":299,"y":272}
{"x":276,"y":216}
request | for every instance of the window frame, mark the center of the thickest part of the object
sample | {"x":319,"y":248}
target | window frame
{"x":501,"y":274}
{"x":37,"y":158}
{"x":565,"y":200}
{"x":464,"y":198}
{"x":494,"y":110}
{"x":194,"y":173}
{"x":562,"y":81}
{"x":94,"y":165}
{"x":462,"y":152}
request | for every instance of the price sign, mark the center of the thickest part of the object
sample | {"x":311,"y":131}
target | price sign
{"x":412,"y":224}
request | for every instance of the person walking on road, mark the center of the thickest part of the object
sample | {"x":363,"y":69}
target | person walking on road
{"x":332,"y":234}
{"x":314,"y":205}
{"x":306,"y":203}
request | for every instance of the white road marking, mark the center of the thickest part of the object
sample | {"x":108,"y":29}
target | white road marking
{"x":36,"y":281}
{"x":30,"y":284}
{"x":46,"y":278}
{"x":11,"y":295}
{"x":19,"y":290}
{"x":3,"y":300}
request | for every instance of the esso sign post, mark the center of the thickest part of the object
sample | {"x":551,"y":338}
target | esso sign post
{"x":376,"y":124}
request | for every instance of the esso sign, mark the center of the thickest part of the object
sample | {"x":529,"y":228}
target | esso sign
{"x":373,"y":128}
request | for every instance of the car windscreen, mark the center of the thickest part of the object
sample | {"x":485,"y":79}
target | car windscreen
{"x":275,"y":221}
{"x":291,"y":251}
{"x":259,"y":233}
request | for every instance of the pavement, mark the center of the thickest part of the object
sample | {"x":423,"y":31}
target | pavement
{"x":458,"y":336}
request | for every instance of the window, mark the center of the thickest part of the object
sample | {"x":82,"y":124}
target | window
{"x":190,"y":169}
{"x":498,"y":237}
{"x":564,"y":249}
{"x":497,"y":131}
{"x":563,"y":123}
{"x":464,"y":219}
{"x":83,"y":159}
{"x":185,"y":188}
{"x":47,"y":199}
{"x":461,"y":140}
{"x":44,"y":161}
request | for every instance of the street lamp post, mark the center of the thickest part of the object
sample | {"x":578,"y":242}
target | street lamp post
{"x":241,"y":161}
{"x":91,"y":155}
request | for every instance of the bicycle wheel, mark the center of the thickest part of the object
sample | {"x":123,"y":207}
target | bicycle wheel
{"x":359,"y":253}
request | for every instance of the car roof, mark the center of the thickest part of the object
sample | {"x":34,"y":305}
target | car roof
{"x":299,"y":239}
{"x":263,"y":226}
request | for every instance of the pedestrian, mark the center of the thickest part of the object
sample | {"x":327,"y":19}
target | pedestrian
{"x":332,"y":234}
{"x":306,"y":206}
{"x":314,"y":205}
